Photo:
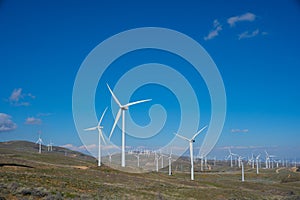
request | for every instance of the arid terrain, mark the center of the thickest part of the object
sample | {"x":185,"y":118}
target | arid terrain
{"x":65,"y":174}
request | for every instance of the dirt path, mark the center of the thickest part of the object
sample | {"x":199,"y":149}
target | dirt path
{"x":277,"y":170}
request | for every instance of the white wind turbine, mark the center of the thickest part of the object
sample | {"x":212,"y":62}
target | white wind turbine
{"x":231,"y":157}
{"x":156,"y":158}
{"x":138,"y":159}
{"x":243,"y":173}
{"x":268,"y":160}
{"x":257,"y":165}
{"x":162,"y":159}
{"x":49,"y":146}
{"x":239,"y":161}
{"x":99,"y":128}
{"x":122,"y":109}
{"x":170,"y":163}
{"x":215,"y":160}
{"x":110,"y":157}
{"x":40,"y":142}
{"x":191,"y":141}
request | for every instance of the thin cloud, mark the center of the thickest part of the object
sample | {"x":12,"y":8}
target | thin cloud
{"x":16,"y":95}
{"x":245,"y":17}
{"x":248,"y":34}
{"x":239,"y":147}
{"x":215,"y":31}
{"x":18,"y":98}
{"x":239,"y":130}
{"x":44,"y":114}
{"x":6,"y":124}
{"x":88,"y":147}
{"x":33,"y":121}
{"x":69,"y":146}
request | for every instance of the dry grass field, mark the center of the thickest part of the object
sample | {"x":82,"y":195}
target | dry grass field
{"x":65,"y":174}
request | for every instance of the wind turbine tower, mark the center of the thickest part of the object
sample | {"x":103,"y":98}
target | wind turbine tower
{"x":257,"y":164}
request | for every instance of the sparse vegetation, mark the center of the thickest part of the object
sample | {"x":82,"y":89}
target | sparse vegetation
{"x":26,"y":174}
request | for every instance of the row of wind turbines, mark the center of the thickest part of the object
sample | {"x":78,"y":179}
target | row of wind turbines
{"x":255,"y":161}
{"x":122,"y":109}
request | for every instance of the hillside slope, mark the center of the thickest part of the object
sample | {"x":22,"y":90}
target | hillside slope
{"x":65,"y":174}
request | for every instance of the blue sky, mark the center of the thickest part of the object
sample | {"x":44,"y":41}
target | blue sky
{"x":254,"y":44}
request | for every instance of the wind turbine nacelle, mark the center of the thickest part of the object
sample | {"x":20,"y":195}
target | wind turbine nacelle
{"x":124,"y":108}
{"x":193,"y":140}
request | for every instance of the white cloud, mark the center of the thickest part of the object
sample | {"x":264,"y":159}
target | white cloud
{"x":239,"y":130}
{"x":245,"y":17}
{"x":246,"y":34}
{"x":88,"y":147}
{"x":17,"y":98}
{"x":215,"y":31}
{"x":6,"y":124}
{"x":69,"y":146}
{"x":33,"y":120}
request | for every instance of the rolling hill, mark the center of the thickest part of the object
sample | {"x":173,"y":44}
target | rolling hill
{"x":66,"y":174}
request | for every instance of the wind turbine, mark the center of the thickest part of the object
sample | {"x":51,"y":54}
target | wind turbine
{"x":231,"y":156}
{"x":122,"y":109}
{"x":170,"y":163}
{"x":162,"y":159}
{"x":156,"y":158}
{"x":201,"y":163}
{"x":257,"y":165}
{"x":243,"y":173}
{"x":239,"y":161}
{"x":215,"y":159}
{"x":138,"y":159}
{"x":110,"y":157}
{"x":49,"y":146}
{"x":251,"y":161}
{"x":40,"y":142}
{"x":191,"y":141}
{"x":267,"y":160}
{"x":99,"y":128}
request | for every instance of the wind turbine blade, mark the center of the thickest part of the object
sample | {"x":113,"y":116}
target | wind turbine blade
{"x":101,"y":135}
{"x":258,"y":156}
{"x":137,"y":102}
{"x":115,"y":123}
{"x":114,"y":97}
{"x":229,"y":151}
{"x":102,"y":116}
{"x":266,"y":152}
{"x":198,"y":132}
{"x":90,"y":129}
{"x":182,"y":137}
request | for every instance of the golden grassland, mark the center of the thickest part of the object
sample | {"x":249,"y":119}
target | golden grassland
{"x":64,"y":174}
